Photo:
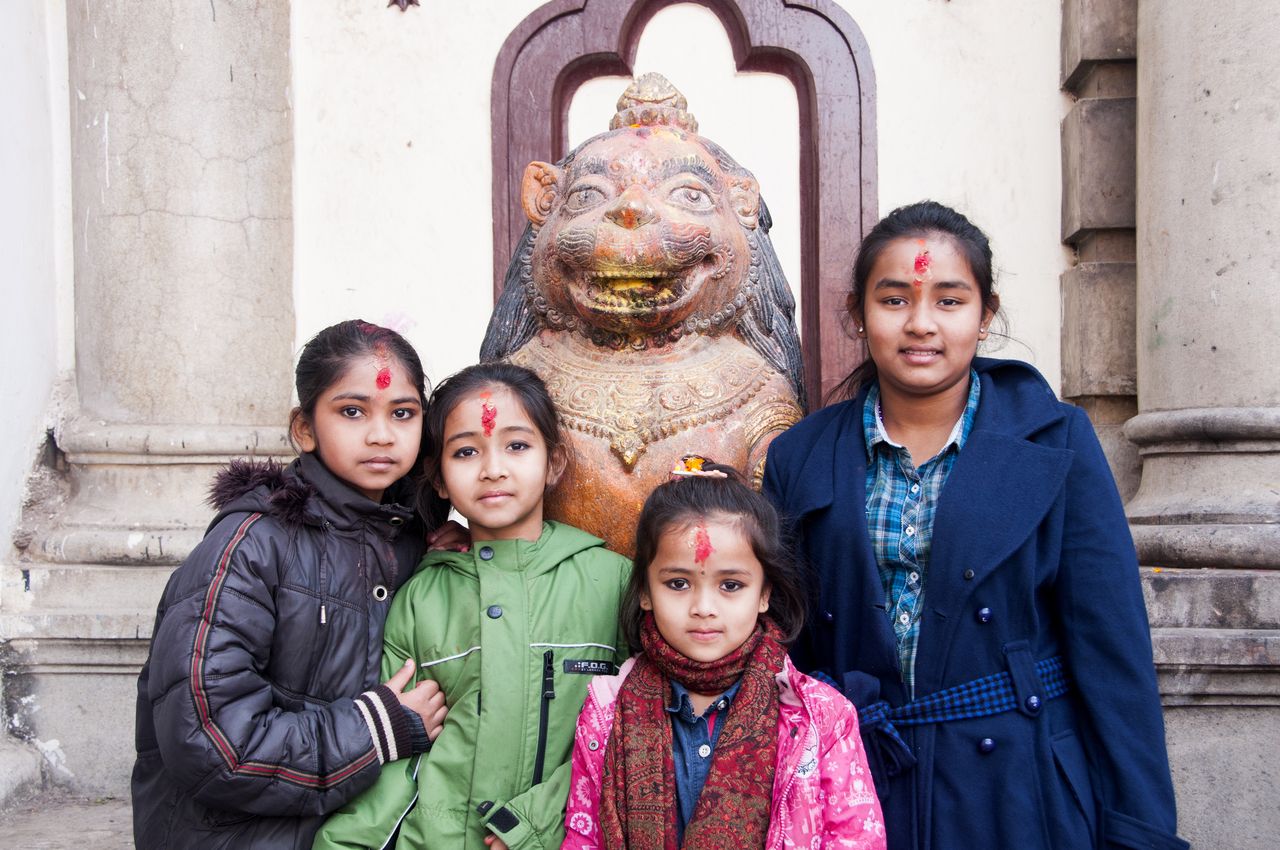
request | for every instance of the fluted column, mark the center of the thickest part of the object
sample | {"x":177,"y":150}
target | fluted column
{"x":1206,"y":517}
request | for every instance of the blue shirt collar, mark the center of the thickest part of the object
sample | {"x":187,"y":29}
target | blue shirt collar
{"x":682,"y":707}
{"x":873,"y":431}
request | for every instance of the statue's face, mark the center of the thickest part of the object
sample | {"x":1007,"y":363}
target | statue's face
{"x":641,"y":232}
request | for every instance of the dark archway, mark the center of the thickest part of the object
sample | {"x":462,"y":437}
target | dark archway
{"x":813,"y":43}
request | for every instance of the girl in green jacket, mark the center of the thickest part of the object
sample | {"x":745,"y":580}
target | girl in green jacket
{"x":512,"y":630}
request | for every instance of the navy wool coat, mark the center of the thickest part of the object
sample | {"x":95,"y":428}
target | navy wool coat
{"x":1031,"y":558}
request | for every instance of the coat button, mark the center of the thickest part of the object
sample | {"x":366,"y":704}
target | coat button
{"x":494,"y":611}
{"x":486,"y":553}
{"x":984,"y":615}
{"x":828,"y":616}
{"x":986,"y":745}
{"x":593,"y":745}
{"x":396,"y":520}
{"x":968,"y":575}
{"x":1033,"y":704}
{"x":379,"y":592}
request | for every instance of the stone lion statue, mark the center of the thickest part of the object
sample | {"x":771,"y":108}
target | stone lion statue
{"x":646,"y":293}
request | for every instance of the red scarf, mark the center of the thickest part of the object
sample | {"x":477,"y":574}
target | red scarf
{"x":638,"y":808}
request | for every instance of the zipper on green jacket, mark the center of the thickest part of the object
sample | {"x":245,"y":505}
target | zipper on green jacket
{"x":395,"y":833}
{"x":548,"y":694}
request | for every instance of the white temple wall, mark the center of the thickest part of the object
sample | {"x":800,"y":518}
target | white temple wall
{"x":37,"y":346}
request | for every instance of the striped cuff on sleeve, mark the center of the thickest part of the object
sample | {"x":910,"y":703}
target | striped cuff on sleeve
{"x":388,"y":726}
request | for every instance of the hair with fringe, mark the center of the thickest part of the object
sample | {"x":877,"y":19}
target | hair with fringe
{"x":916,"y":221}
{"x":678,"y":504}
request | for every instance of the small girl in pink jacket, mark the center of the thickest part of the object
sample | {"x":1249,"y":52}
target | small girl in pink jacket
{"x":709,"y":738}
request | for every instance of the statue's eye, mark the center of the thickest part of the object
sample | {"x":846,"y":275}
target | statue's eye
{"x":692,"y":197}
{"x":583,"y":197}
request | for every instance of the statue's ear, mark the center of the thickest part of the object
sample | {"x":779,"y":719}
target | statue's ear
{"x":744,"y":194}
{"x":539,"y":190}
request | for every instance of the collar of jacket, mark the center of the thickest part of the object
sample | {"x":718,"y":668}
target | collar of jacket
{"x":340,"y":505}
{"x":1017,"y":402}
{"x":558,"y":542}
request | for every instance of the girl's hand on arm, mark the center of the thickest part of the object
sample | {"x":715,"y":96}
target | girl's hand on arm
{"x":494,"y":842}
{"x":450,"y":537}
{"x":425,"y":700}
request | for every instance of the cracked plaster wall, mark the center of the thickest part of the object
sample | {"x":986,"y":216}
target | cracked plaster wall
{"x":181,"y":140}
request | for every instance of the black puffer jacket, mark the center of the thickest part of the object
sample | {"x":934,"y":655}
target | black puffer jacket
{"x":249,"y":726}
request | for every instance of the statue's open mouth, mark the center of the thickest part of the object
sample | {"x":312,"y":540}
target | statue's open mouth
{"x":632,"y":292}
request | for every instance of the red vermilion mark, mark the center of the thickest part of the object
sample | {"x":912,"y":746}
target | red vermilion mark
{"x":384,"y":378}
{"x":488,"y":414}
{"x":921,"y":264}
{"x":702,"y":544}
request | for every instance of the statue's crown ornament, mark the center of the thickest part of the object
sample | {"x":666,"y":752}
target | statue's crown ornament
{"x":651,"y":101}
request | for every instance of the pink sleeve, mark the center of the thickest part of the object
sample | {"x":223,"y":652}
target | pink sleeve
{"x":851,"y":815}
{"x":581,"y":823}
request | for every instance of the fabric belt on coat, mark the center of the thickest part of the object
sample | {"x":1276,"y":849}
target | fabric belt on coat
{"x":982,"y":697}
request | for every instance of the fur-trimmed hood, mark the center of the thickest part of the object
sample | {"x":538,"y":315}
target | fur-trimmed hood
{"x":303,"y":492}
{"x":260,"y":486}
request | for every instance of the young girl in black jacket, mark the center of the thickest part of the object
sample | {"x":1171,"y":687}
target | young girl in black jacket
{"x":259,"y":708}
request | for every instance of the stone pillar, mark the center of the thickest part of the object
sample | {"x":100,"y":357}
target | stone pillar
{"x":1099,"y":373}
{"x":181,"y":141}
{"x":1206,"y":517}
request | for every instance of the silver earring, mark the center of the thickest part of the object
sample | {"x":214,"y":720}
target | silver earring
{"x":859,"y":330}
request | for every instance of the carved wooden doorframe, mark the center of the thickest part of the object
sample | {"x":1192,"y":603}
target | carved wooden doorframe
{"x":813,"y":43}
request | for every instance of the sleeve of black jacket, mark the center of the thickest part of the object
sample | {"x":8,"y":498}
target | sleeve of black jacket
{"x":219,"y":731}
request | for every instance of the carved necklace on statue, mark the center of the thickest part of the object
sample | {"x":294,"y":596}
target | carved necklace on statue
{"x":635,"y":399}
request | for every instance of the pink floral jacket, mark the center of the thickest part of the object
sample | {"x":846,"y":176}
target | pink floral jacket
{"x":823,"y":795}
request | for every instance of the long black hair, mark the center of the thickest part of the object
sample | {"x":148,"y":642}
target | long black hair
{"x":916,"y":221}
{"x":679,"y":504}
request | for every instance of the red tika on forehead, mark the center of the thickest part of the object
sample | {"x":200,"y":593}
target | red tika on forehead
{"x":702,"y":548}
{"x":488,"y":414}
{"x":921,"y":264}
{"x":384,"y":378}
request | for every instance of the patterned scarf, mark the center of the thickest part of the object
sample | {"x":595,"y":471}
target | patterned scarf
{"x":638,"y":808}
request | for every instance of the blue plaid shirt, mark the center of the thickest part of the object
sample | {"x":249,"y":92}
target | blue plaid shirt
{"x":901,"y":500}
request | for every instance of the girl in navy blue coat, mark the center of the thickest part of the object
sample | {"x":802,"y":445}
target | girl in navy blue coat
{"x":978,"y":595}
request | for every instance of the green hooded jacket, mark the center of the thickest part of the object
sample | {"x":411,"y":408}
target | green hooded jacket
{"x":513,"y":631}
